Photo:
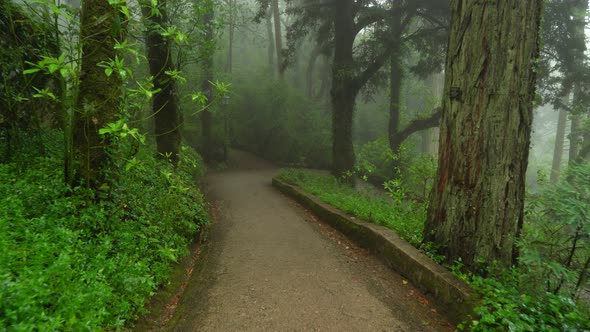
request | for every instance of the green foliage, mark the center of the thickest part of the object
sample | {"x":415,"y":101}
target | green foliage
{"x":555,"y":246}
{"x":406,"y":218}
{"x":375,"y":160}
{"x":69,"y":263}
{"x":544,"y":292}
{"x":505,"y":307}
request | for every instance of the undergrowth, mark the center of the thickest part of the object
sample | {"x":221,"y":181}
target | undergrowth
{"x":68,"y":263}
{"x":520,"y":299}
{"x":406,"y":218}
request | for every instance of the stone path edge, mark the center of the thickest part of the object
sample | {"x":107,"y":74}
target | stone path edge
{"x":455,"y":297}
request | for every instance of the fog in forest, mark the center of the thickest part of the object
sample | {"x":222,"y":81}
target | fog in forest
{"x":150,"y":148}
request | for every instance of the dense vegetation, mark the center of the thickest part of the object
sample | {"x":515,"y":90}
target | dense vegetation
{"x":99,"y":116}
{"x":511,"y":299}
{"x":69,"y":263}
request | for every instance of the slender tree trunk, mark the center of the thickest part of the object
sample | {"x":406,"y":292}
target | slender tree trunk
{"x":313,"y":57}
{"x":167,"y":117}
{"x":559,"y":140}
{"x":278,"y":35}
{"x":396,"y":75}
{"x":429,"y":136}
{"x":271,"y":43}
{"x":231,"y":28}
{"x":99,"y":94}
{"x":579,"y":9}
{"x":207,"y":55}
{"x":343,"y":93}
{"x":574,"y":138}
{"x":476,"y":209}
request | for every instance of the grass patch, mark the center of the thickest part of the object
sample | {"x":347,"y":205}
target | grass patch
{"x":405,"y":218}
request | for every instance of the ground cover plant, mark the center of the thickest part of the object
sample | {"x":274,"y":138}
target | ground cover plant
{"x":406,"y":218}
{"x":511,"y":299}
{"x":70,"y":264}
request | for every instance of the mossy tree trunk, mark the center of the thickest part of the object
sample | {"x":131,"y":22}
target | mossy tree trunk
{"x":476,"y":209}
{"x":99,"y":94}
{"x":165,"y":106}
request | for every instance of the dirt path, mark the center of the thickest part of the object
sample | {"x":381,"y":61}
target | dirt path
{"x":271,"y":266}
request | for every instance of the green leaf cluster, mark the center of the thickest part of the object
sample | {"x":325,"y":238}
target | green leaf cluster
{"x":70,"y":263}
{"x":406,"y":218}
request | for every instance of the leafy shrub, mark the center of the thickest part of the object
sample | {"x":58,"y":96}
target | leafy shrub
{"x":506,"y":307}
{"x":555,"y":245}
{"x":69,"y":263}
{"x":375,"y":162}
{"x":406,"y":218}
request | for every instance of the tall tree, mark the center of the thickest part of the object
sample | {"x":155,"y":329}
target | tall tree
{"x":165,"y":106}
{"x":207,"y":50}
{"x":476,"y":207}
{"x":99,"y":94}
{"x":276,"y":17}
{"x":559,"y":140}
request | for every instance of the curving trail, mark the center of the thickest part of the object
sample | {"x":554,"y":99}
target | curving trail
{"x":271,"y":266}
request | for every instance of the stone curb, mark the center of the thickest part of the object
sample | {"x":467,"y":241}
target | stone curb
{"x":453,"y":295}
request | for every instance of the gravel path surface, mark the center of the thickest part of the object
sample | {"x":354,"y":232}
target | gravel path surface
{"x":269,"y":265}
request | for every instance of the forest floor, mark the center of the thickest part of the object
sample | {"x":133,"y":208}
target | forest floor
{"x":270,"y":265}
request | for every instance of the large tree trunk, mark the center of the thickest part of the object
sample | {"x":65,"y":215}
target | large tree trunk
{"x":167,"y":117}
{"x":477,"y":202}
{"x":278,"y":35}
{"x":343,"y":93}
{"x":98,"y":99}
{"x":559,"y":140}
{"x":207,"y":56}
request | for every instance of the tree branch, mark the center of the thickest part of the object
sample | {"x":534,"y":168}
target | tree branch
{"x":420,"y":124}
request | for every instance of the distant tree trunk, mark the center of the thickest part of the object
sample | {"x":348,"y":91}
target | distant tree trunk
{"x":396,"y":135}
{"x":167,"y":117}
{"x":98,"y":99}
{"x":343,"y":93}
{"x":579,"y":10}
{"x":396,"y":76}
{"x":271,"y":43}
{"x":476,"y":209}
{"x":278,"y":35}
{"x":430,"y":136}
{"x":231,"y":28}
{"x":313,"y":57}
{"x":207,"y":56}
{"x":559,"y":140}
{"x":574,"y":138}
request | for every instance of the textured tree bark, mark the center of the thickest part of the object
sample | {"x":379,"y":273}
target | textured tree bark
{"x":476,"y":207}
{"x":559,"y":140}
{"x":99,"y":94}
{"x":207,"y":56}
{"x":167,"y":117}
{"x":343,"y":93}
{"x":278,"y":35}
